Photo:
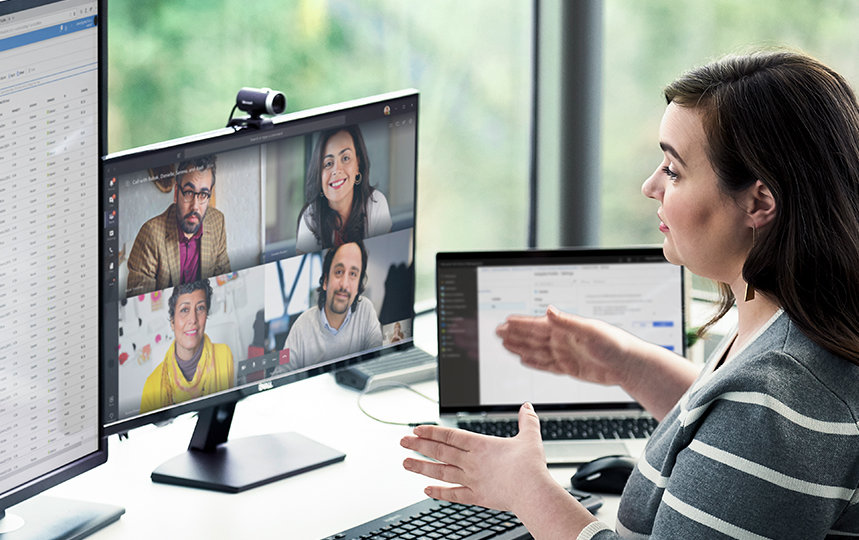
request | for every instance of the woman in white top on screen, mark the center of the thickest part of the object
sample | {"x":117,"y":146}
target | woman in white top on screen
{"x":341,"y":204}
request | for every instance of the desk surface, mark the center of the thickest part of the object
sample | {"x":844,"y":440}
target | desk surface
{"x":370,"y":482}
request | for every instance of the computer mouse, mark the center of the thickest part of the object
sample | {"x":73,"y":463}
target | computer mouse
{"x":607,"y":474}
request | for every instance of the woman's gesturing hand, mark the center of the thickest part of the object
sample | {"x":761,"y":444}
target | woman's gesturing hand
{"x":558,"y":342}
{"x":487,"y":471}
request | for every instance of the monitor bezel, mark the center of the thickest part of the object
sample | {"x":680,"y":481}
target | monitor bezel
{"x":226,"y":136}
{"x":28,"y":490}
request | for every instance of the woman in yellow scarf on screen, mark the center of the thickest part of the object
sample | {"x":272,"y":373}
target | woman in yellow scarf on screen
{"x":193,"y":365}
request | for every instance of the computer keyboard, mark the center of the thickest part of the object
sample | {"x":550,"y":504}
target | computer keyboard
{"x":406,"y":367}
{"x":555,"y":429}
{"x":437,"y":520}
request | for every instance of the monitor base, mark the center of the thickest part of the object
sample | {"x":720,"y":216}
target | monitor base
{"x":242,"y":464}
{"x":54,"y":518}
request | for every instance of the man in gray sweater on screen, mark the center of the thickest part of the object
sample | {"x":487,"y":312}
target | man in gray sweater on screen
{"x":343,"y":322}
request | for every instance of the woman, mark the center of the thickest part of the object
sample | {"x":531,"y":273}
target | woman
{"x":397,"y":333}
{"x":759,"y":190}
{"x":341,"y":205}
{"x":193,"y":365}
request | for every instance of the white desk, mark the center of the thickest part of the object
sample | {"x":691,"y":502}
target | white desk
{"x":369,"y":483}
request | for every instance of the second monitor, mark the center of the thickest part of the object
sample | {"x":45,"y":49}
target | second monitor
{"x":240,"y":261}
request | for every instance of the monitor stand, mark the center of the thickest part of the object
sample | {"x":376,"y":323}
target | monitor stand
{"x":54,"y":518}
{"x":214,"y":463}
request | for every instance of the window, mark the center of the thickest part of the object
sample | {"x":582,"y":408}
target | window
{"x":175,"y":68}
{"x":648,"y":44}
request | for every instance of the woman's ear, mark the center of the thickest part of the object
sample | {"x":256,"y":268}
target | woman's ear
{"x":760,"y":205}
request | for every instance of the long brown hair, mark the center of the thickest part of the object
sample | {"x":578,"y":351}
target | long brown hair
{"x":325,"y":220}
{"x":785,"y":119}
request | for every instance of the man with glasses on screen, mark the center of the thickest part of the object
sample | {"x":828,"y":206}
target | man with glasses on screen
{"x":185,"y":243}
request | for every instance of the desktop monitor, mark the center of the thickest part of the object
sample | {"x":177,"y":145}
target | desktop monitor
{"x":50,"y":146}
{"x":238,"y":261}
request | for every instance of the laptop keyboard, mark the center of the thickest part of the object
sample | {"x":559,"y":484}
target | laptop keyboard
{"x":558,"y":429}
{"x":433,"y":519}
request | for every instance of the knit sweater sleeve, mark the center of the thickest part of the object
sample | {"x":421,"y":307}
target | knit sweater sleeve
{"x":751,"y":455}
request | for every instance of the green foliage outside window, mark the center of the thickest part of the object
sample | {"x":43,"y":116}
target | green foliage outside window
{"x":648,"y":43}
{"x":175,"y":66}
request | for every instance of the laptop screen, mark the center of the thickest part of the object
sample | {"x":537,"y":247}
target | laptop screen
{"x":634,"y":289}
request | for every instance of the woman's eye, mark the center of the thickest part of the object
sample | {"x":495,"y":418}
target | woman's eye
{"x":669,"y":173}
{"x":327,"y":164}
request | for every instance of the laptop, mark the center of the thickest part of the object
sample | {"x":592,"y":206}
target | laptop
{"x":482,"y":385}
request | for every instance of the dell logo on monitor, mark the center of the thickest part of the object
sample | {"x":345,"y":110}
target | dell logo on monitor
{"x":265,"y":386}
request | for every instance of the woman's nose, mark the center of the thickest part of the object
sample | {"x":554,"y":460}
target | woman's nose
{"x":651,"y":188}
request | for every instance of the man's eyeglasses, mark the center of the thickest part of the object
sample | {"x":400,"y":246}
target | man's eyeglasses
{"x":190,"y":194}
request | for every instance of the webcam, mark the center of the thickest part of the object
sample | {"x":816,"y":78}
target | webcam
{"x":257,"y":102}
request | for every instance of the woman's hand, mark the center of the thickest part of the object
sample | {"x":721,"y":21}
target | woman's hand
{"x":598,"y":352}
{"x":558,"y":342}
{"x":487,"y":471}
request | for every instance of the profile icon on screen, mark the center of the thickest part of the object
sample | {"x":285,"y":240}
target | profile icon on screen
{"x":193,"y":366}
{"x":397,"y":333}
{"x":341,"y":206}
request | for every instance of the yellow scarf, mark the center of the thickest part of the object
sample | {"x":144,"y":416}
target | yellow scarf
{"x":166,"y":385}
